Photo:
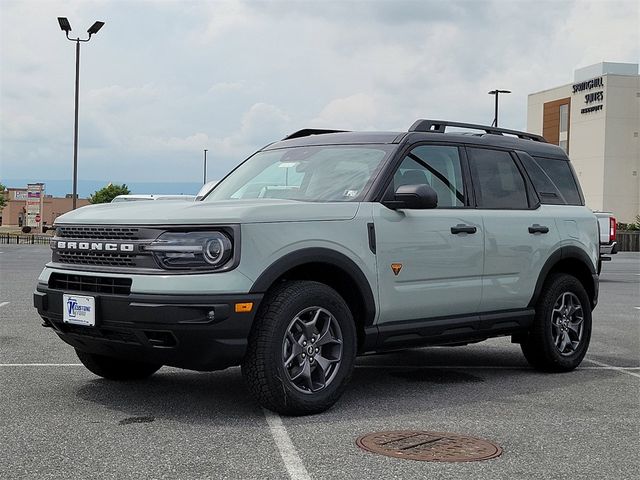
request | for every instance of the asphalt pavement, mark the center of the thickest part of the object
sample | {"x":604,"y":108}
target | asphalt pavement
{"x":57,"y":420}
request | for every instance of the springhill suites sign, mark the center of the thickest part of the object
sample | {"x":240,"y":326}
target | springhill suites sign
{"x":591,"y":97}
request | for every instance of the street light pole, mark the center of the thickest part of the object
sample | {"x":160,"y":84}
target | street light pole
{"x":75,"y":130}
{"x":497,"y":92}
{"x":204,"y":175}
{"x":65,"y":26}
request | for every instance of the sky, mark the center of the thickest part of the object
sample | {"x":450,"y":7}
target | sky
{"x":164,"y":80}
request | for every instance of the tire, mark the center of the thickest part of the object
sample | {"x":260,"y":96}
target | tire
{"x":115,"y":368}
{"x":282,"y":369}
{"x":562,"y":303}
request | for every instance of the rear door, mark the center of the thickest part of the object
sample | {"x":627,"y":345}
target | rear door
{"x":519,"y":232}
{"x":426,"y":269}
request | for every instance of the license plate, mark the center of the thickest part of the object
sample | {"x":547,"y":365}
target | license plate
{"x":79,"y":310}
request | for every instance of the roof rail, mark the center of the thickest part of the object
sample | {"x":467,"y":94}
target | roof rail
{"x":439,"y":126}
{"x":305,"y":132}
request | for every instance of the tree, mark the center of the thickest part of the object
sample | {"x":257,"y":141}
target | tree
{"x":3,"y":201}
{"x":108,"y":193}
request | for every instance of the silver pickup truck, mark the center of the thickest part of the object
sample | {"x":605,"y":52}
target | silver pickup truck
{"x":608,"y":226}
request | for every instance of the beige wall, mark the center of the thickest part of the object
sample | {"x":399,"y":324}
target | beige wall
{"x":622,"y":147}
{"x":586,"y":150}
{"x":53,"y":207}
{"x":603,"y":146}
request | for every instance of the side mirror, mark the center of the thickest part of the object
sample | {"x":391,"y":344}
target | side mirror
{"x":415,"y":197}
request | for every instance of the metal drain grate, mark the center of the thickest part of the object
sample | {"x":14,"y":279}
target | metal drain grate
{"x":429,"y":446}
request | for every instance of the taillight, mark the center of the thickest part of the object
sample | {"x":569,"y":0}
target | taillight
{"x":612,"y":229}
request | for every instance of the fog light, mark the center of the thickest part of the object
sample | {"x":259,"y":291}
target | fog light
{"x":211,"y":315}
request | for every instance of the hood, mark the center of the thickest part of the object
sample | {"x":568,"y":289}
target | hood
{"x":201,"y":213}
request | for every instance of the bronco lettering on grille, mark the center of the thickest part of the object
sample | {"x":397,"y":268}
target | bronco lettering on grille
{"x":94,"y":246}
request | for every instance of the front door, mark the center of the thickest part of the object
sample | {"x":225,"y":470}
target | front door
{"x":429,"y":261}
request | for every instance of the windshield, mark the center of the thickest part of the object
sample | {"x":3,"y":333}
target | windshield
{"x":312,"y":174}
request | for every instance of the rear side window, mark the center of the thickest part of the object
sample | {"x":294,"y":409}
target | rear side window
{"x":496,"y":179}
{"x":547,"y":190}
{"x":560,"y":173}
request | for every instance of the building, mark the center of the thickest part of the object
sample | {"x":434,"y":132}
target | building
{"x":14,"y":214}
{"x":596,"y":120}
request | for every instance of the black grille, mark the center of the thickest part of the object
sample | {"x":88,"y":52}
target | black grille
{"x":124,"y":336}
{"x":96,"y":258}
{"x":85,"y":283}
{"x":97,"y":232}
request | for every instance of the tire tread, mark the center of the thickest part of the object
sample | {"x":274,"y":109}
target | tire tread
{"x":537,"y":349}
{"x":259,"y":361}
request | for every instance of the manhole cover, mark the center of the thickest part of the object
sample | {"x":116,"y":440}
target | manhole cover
{"x":429,"y":446}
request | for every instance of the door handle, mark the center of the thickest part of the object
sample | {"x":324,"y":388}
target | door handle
{"x":535,"y":228}
{"x":462,"y":228}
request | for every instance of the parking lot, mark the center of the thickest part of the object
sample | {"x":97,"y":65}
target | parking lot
{"x":57,"y":420}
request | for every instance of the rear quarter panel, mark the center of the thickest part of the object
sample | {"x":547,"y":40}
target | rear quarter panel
{"x":578,"y":227}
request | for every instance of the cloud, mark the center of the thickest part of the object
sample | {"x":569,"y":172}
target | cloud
{"x":118,"y":97}
{"x":191,"y":143}
{"x":164,"y":80}
{"x":355,"y":112}
{"x":227,"y":87}
{"x":260,"y":125}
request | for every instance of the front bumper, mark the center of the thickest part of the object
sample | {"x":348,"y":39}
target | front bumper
{"x":174,"y":330}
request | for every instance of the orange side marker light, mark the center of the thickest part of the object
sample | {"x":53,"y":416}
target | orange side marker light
{"x":244,"y":307}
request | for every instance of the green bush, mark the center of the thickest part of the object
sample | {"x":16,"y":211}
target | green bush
{"x":108,"y":193}
{"x":630,"y":227}
{"x":3,"y":200}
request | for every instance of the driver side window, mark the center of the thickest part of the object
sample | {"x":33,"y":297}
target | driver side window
{"x":437,"y":166}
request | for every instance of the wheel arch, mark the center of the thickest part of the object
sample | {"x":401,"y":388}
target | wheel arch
{"x":331,"y":268}
{"x":574,"y":261}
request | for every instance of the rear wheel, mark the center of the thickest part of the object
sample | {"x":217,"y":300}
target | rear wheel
{"x":301,"y":349}
{"x":559,"y":337}
{"x":115,"y":368}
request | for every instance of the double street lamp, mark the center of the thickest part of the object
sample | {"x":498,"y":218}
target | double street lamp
{"x":497,"y":92}
{"x":65,"y":26}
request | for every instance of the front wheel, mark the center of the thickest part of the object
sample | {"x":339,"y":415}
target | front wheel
{"x":115,"y":368}
{"x":301,"y":349}
{"x":559,"y":337}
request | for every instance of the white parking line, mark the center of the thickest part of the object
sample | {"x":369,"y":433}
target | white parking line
{"x":482,"y":367}
{"x":292,"y":461}
{"x":40,"y":364}
{"x":611,"y":367}
{"x":452,"y":367}
{"x":601,"y":366}
{"x":2,"y":304}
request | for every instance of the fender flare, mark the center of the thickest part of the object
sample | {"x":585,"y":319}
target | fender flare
{"x":560,"y":254}
{"x":319,"y":255}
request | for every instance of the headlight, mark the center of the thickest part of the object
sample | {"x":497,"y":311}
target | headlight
{"x":192,"y":250}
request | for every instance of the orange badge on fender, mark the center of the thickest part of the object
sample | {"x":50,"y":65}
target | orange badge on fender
{"x":396,"y":267}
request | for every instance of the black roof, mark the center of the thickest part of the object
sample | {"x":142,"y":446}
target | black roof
{"x":341,"y":138}
{"x":532,"y":144}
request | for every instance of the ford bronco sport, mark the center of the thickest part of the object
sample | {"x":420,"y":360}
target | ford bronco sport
{"x":327,"y":245}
